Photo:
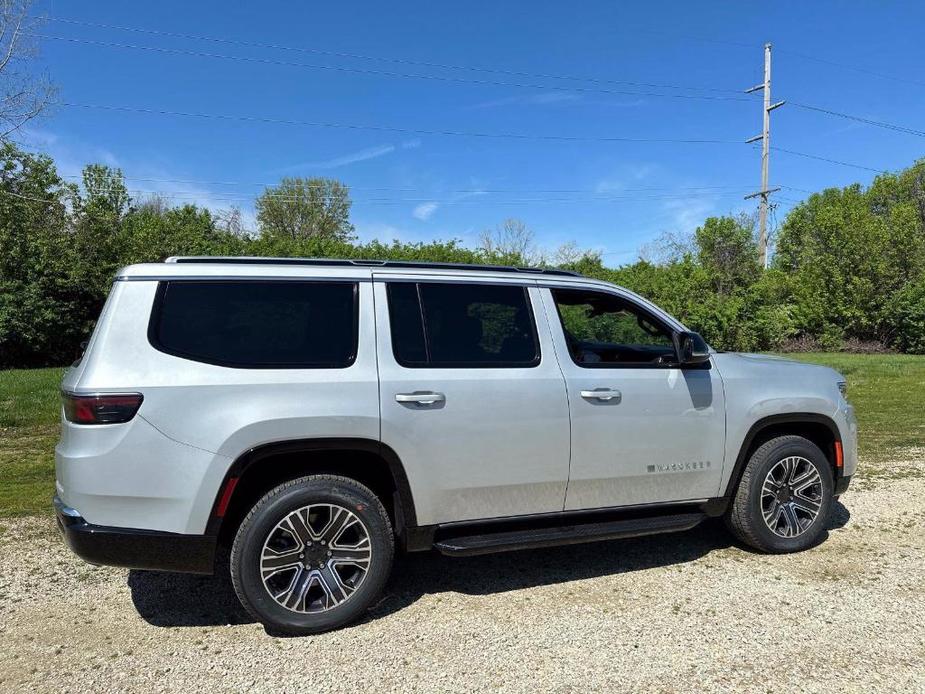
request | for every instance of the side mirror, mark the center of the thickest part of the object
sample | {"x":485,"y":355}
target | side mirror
{"x":691,"y":349}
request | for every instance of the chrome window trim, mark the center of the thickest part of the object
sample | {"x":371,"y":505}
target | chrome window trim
{"x":240,"y":278}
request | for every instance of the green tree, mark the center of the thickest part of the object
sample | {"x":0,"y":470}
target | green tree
{"x":301,"y":208}
{"x":848,"y":252}
{"x":40,"y":291}
{"x":726,"y":249}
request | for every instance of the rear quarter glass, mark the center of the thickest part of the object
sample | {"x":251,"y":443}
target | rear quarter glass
{"x":257,"y":324}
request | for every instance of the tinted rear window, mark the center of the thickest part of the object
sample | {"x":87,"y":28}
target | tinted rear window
{"x":257,"y":324}
{"x":462,"y":325}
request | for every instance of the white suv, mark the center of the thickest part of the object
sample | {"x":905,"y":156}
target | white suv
{"x":313,"y":414}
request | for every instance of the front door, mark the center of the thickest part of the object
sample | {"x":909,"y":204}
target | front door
{"x":643,"y":430}
{"x":472,"y":399}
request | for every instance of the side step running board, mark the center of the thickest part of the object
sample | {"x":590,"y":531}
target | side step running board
{"x":566,"y":535}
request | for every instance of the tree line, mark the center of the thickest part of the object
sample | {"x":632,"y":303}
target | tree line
{"x":848,"y":272}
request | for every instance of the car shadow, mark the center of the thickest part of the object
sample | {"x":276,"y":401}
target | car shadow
{"x":840,"y":516}
{"x":184,"y":600}
{"x":417,"y":575}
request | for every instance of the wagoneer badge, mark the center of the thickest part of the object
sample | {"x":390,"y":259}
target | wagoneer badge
{"x":679,"y":467}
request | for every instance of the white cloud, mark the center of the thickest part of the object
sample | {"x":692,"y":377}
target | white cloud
{"x":635,"y":103}
{"x":609,"y":185}
{"x":425,"y":210}
{"x":544,"y":99}
{"x":343,"y":160}
{"x":70,"y":154}
{"x":352,"y":157}
{"x":144,"y":179}
{"x":687,"y":214}
{"x":641,"y":171}
{"x":370,"y":231}
{"x":628,"y":174}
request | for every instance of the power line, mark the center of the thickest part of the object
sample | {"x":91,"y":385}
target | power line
{"x":384,"y":59}
{"x":797,"y":54}
{"x":826,"y":159}
{"x":287,"y":197}
{"x":29,"y":197}
{"x":449,"y":191}
{"x":383,"y":128}
{"x":867,"y":121}
{"x":865,"y":71}
{"x":382,"y":73}
{"x":193,"y":196}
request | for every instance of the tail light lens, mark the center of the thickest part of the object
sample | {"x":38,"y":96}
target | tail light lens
{"x":100,"y":408}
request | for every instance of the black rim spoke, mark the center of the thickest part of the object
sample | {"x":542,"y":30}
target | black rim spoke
{"x":272,"y":561}
{"x":354,"y":554}
{"x":341,"y":519}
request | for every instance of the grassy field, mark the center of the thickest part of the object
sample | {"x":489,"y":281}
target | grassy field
{"x":29,"y":413}
{"x":888,"y":392}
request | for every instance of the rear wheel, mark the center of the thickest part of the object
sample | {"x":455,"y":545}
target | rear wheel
{"x":312,"y":554}
{"x":784,"y":498}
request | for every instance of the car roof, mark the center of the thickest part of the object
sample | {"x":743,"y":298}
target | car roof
{"x":404,"y":264}
{"x":253,"y":266}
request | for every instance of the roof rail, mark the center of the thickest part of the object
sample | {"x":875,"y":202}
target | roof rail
{"x":410,"y":264}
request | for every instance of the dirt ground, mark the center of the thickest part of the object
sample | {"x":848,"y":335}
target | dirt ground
{"x":687,"y":612}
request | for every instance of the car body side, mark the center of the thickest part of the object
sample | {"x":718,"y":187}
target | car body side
{"x":166,"y":469}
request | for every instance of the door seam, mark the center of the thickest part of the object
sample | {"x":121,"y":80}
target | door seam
{"x":568,"y":404}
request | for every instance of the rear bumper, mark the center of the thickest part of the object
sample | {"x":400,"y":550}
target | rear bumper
{"x":134,"y":549}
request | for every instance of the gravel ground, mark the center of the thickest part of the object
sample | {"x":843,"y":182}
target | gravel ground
{"x":687,"y":612}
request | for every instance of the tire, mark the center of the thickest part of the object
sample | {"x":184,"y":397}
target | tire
{"x":312,"y":555}
{"x":772,"y":510}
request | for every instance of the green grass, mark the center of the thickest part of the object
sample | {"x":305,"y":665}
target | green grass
{"x":29,"y":413}
{"x":888,"y":392}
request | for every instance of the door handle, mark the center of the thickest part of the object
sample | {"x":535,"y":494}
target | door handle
{"x":421,"y":397}
{"x":602,"y":394}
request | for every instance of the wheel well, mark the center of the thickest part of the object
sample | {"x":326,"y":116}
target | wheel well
{"x":268,"y":469}
{"x":819,"y":430}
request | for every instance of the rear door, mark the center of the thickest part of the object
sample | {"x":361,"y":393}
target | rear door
{"x":643,"y":430}
{"x":472,"y":398}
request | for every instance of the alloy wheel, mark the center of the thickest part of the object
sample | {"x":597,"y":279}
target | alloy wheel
{"x":315,"y":558}
{"x":791,"y":496}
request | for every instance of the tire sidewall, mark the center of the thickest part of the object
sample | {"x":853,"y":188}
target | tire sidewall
{"x":252,"y":534}
{"x":812,"y":535}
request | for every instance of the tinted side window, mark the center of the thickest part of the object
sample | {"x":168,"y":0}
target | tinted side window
{"x":257,"y":324}
{"x":463,"y":325}
{"x":602,"y":329}
{"x":407,"y":325}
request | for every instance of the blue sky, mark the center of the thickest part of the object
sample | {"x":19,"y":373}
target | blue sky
{"x":411,"y":183}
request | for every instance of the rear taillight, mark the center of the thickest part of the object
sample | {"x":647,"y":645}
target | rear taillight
{"x":100,"y":408}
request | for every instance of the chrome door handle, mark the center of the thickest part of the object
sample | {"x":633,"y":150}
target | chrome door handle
{"x":602,"y":394}
{"x":421,"y":397}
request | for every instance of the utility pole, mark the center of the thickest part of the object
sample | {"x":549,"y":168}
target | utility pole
{"x":765,"y":138}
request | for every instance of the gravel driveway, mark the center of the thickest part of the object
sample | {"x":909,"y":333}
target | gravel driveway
{"x":681,"y":612}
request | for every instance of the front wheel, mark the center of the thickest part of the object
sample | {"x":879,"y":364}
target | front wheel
{"x":312,"y":554}
{"x":784,"y":499}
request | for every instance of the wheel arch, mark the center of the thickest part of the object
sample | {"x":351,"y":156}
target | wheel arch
{"x":263,"y":467}
{"x":818,"y":428}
